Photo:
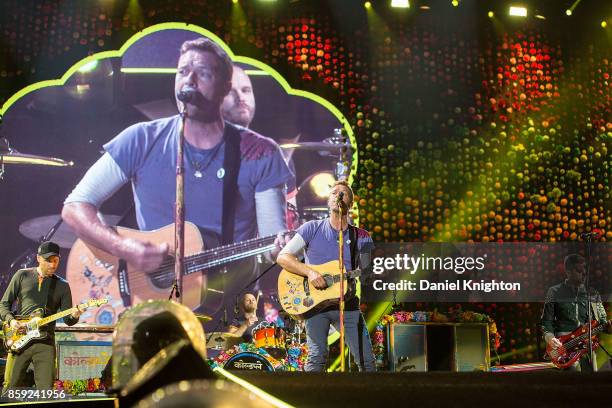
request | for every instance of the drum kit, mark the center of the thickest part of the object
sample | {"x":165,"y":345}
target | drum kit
{"x":272,"y":349}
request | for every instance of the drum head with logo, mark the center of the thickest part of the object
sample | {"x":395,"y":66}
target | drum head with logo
{"x":248,"y":361}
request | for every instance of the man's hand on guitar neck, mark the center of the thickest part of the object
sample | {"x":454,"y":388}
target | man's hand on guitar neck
{"x":282,"y":238}
{"x":79,"y":311}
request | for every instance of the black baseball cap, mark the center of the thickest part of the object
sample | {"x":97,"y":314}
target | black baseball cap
{"x":47,"y":249}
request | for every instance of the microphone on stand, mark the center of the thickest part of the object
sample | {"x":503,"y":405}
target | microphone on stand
{"x":339,"y":201}
{"x":187,"y":94}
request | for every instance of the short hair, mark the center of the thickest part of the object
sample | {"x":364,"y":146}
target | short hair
{"x":572,"y":260}
{"x":226,"y":66}
{"x":343,"y":182}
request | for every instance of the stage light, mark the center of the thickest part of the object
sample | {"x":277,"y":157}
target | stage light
{"x":367,"y":4}
{"x":235,"y":1}
{"x":604,"y":24}
{"x":491,"y":14}
{"x":455,"y":3}
{"x":570,"y":10}
{"x":400,"y":3}
{"x":518,"y":11}
{"x":321,"y":184}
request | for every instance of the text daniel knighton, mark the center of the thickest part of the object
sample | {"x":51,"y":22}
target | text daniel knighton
{"x":467,"y":285}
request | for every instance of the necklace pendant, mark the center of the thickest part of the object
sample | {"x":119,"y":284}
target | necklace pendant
{"x":198,"y":174}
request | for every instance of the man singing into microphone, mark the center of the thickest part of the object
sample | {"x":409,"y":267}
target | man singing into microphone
{"x":217,"y":173}
{"x":319,"y":241}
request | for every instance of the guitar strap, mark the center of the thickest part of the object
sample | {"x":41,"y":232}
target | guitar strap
{"x":231,"y":164}
{"x":353,"y":239}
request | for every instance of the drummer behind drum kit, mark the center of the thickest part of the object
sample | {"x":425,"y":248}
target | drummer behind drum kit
{"x":271,"y":349}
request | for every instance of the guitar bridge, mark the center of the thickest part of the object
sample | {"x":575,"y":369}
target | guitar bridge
{"x":124,"y":287}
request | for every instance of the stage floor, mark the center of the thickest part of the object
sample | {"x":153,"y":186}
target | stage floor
{"x":439,"y":389}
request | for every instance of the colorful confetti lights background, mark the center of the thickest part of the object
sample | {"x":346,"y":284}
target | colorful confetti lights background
{"x":469,"y":129}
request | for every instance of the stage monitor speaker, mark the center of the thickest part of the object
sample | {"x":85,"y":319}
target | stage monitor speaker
{"x":407,"y":351}
{"x":471,"y":348}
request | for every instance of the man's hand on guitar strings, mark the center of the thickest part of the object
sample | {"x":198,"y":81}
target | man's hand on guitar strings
{"x":316,"y":279}
{"x":145,"y":256}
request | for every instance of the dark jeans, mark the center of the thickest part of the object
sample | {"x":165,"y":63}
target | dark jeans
{"x":42,"y":356}
{"x":355,"y":333}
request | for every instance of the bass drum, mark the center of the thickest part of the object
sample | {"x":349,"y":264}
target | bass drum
{"x":248,"y":361}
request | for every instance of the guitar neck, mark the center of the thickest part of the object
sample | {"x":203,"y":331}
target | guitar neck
{"x":56,"y":316}
{"x":229,"y":253}
{"x":595,"y":330}
{"x":348,"y":275}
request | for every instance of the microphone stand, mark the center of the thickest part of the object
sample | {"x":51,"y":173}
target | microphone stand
{"x":341,"y":265}
{"x":588,"y":241}
{"x":179,"y":212}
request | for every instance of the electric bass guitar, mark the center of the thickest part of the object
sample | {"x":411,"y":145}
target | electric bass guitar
{"x":16,"y":339}
{"x":95,"y":273}
{"x":298,"y":296}
{"x":575,"y":344}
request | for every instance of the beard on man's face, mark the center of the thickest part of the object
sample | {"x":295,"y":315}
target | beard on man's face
{"x":238,"y":113}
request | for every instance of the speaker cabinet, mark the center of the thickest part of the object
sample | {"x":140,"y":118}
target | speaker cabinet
{"x":420,"y":347}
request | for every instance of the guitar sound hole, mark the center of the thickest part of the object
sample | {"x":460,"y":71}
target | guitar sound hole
{"x":162,"y":280}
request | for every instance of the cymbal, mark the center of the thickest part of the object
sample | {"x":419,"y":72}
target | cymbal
{"x":203,"y":318}
{"x":316,"y":146}
{"x":228,"y":335}
{"x":12,"y":156}
{"x":64,"y":236}
{"x":222,"y":340}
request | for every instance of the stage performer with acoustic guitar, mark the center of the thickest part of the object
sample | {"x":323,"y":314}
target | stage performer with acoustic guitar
{"x":34,"y":289}
{"x":234,"y":181}
{"x":565,"y":310}
{"x":319,"y":241}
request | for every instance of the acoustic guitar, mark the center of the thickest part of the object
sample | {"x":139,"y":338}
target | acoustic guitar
{"x":93,"y":272}
{"x":298,"y":296}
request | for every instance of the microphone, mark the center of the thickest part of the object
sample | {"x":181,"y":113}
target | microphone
{"x":187,"y":94}
{"x":340,"y":197}
{"x":236,"y":307}
{"x":225,"y":316}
